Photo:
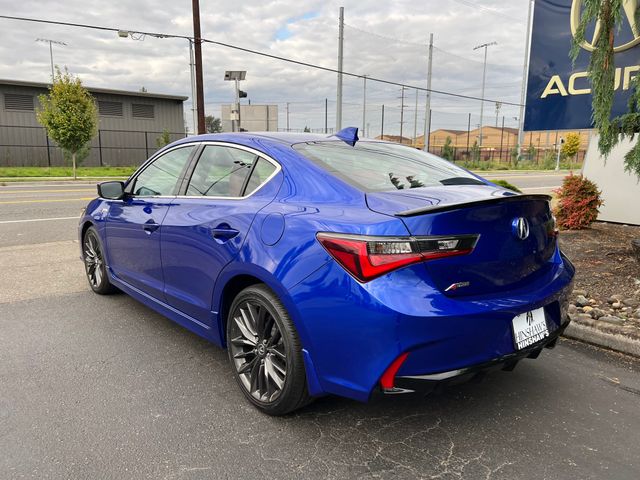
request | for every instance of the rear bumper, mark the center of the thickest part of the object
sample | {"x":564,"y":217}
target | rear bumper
{"x":430,"y":382}
{"x":353,"y":332}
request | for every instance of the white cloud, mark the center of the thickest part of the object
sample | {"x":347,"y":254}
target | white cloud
{"x":102,"y":59}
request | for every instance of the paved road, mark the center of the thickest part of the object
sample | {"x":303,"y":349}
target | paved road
{"x":39,"y":212}
{"x":103,"y":387}
{"x":530,"y":182}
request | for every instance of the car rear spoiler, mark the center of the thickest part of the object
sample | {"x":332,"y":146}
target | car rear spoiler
{"x":484,"y":201}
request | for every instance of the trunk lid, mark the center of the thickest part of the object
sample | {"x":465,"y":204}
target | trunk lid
{"x":506,"y":256}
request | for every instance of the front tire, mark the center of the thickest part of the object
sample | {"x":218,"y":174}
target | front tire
{"x":265,"y":352}
{"x":94,"y":264}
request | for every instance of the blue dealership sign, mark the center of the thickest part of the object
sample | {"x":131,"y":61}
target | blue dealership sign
{"x":559,"y":92}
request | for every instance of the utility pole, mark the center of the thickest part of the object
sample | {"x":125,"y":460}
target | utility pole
{"x":195,"y":5}
{"x":287,"y":116}
{"x":468,"y":132}
{"x":415,"y":121}
{"x":501,"y":140}
{"x":402,"y":113}
{"x":427,"y":111}
{"x":364,"y":102}
{"x":340,"y":59}
{"x":382,"y":124}
{"x":326,"y":116}
{"x":484,"y":77}
{"x":525,"y":71}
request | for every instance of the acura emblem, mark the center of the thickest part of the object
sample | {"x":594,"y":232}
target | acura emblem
{"x":521,"y":228}
{"x":629,"y":6}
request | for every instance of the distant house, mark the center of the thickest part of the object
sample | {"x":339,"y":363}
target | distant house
{"x":129,"y":124}
{"x":396,"y":139}
{"x":496,"y":137}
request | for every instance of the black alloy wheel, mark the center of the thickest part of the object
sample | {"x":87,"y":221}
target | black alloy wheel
{"x":265,"y":352}
{"x":94,"y":264}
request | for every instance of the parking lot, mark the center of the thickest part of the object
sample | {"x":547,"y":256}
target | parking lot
{"x":103,"y":387}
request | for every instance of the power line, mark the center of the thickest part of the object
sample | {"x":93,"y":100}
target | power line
{"x":488,"y":10}
{"x":259,"y":53}
{"x":384,"y":37}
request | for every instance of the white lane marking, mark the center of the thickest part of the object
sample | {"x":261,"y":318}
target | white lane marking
{"x":553,"y":187}
{"x":30,"y":185}
{"x":77,"y":217}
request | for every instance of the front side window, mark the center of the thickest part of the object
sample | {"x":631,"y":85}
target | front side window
{"x":379,"y":167}
{"x":161,"y":176}
{"x":221,"y":172}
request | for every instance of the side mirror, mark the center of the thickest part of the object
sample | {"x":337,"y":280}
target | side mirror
{"x":111,"y":190}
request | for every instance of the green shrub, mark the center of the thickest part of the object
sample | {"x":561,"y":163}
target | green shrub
{"x":578,"y":203}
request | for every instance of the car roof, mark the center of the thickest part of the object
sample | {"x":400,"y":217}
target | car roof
{"x":287,"y":138}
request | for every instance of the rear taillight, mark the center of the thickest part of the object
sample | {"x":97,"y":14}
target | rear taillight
{"x":368,"y":257}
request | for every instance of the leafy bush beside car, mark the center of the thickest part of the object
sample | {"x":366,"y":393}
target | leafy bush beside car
{"x":578,"y":203}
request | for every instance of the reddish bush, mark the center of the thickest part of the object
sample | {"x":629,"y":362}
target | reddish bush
{"x":579,"y":200}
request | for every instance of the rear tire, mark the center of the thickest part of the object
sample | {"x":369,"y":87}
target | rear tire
{"x":265,"y":352}
{"x":94,"y":264}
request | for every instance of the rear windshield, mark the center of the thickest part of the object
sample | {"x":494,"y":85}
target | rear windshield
{"x":379,"y":167}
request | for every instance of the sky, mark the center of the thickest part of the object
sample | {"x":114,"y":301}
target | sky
{"x":385,"y":40}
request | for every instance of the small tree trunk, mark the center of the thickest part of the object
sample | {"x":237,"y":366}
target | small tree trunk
{"x":73,"y":160}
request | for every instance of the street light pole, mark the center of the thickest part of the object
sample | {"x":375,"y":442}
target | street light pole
{"x":427,"y":111}
{"x":51,"y":42}
{"x":484,"y":76}
{"x":525,"y":71}
{"x":340,"y":60}
{"x":194,"y":110}
{"x":235,"y":76}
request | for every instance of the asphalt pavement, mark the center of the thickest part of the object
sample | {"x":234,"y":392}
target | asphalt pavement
{"x":103,"y":387}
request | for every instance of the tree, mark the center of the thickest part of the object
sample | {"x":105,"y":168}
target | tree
{"x":164,"y":138}
{"x":514,"y":155}
{"x":608,"y":13}
{"x":447,"y":150}
{"x":212,"y":124}
{"x":571,"y":145}
{"x":69,"y":114}
{"x":475,"y":152}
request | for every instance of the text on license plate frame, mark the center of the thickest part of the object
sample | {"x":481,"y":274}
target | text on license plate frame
{"x":529,"y":328}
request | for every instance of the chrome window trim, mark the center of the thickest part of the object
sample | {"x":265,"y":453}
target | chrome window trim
{"x":257,"y":153}
{"x":153,"y":158}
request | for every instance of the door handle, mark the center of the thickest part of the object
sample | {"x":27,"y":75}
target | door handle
{"x":224,"y":232}
{"x":150,"y":226}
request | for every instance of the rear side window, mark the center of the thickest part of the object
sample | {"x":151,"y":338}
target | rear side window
{"x":379,"y":167}
{"x":161,"y":176}
{"x":220,"y":172}
{"x":262,"y":171}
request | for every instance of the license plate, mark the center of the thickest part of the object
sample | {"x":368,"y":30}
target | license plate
{"x":529,"y":328}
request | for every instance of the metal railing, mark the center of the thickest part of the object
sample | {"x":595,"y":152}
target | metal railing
{"x":31,"y":146}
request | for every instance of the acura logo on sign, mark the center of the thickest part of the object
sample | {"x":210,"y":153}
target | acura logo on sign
{"x":521,"y":228}
{"x":628,"y":6}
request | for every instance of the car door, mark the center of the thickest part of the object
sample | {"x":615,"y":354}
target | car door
{"x":133,"y":225}
{"x":205,"y":228}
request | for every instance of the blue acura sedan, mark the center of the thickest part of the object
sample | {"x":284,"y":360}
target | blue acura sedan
{"x":330,"y":265}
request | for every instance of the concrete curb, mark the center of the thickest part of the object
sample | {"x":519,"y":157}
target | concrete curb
{"x":613,"y":341}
